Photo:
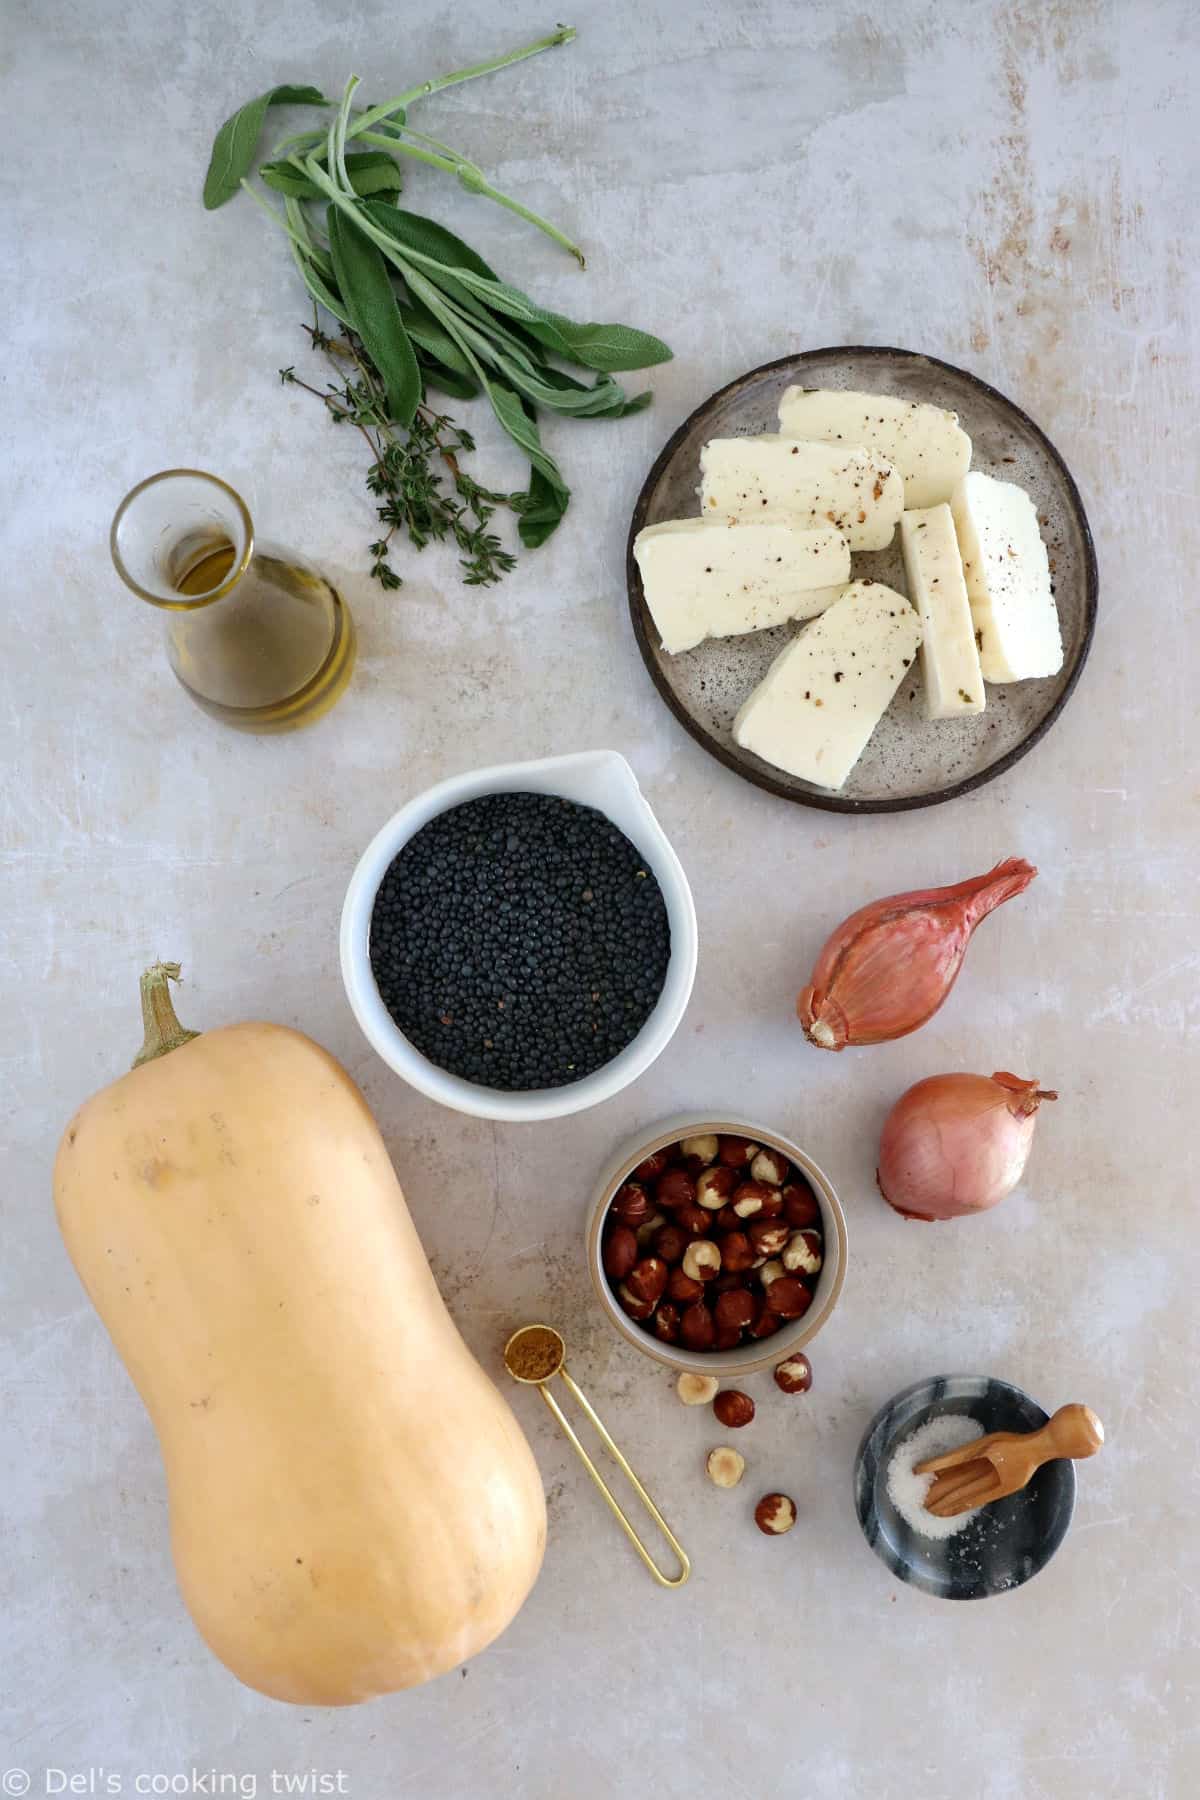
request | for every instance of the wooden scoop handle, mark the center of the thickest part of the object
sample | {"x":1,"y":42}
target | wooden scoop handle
{"x":1073,"y":1431}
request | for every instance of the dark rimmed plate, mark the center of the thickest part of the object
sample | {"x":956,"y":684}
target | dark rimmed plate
{"x":909,"y":760}
{"x":1009,"y":1541}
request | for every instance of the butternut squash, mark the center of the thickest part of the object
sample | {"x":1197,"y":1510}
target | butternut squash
{"x":353,"y":1506}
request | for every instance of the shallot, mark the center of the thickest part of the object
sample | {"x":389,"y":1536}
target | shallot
{"x":888,"y":967}
{"x":957,"y":1144}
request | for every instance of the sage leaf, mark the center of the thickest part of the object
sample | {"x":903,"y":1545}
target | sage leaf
{"x":415,"y":232}
{"x":539,"y":510}
{"x":447,"y":381}
{"x":370,"y":172}
{"x":370,"y":298}
{"x":523,"y":431}
{"x":234,"y":145}
{"x":428,"y":335}
{"x":601,"y":347}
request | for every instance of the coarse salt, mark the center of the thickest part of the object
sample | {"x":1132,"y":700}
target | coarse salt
{"x":907,"y":1490}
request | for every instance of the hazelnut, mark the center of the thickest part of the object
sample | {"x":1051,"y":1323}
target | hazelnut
{"x":649,"y":1225}
{"x":682,"y":1289}
{"x":696,"y":1327}
{"x":802,"y":1253}
{"x":789,"y":1297}
{"x":775,"y":1514}
{"x":770,"y":1271}
{"x":670,"y":1243}
{"x":724,"y":1467}
{"x":697,"y":1390}
{"x":676,"y":1189}
{"x":631,"y":1204}
{"x":800,"y":1206}
{"x":715,"y":1187}
{"x":735,"y":1310}
{"x":702,"y":1259}
{"x":756,"y":1200}
{"x":666,"y":1322}
{"x":700,"y":1149}
{"x":736,"y":1152}
{"x":770,"y":1166}
{"x":733,"y":1408}
{"x":737,"y":1252}
{"x":635,"y":1307}
{"x":727,"y":1220}
{"x":766,"y":1324}
{"x":694,"y":1219}
{"x":647,"y":1279}
{"x":726,"y":1337}
{"x":656,"y":1164}
{"x":730,"y":1278}
{"x":769,"y":1236}
{"x":620,"y":1252}
{"x":795,"y":1375}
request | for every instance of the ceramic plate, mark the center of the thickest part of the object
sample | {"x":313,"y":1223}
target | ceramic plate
{"x":909,"y":761}
{"x":1007,"y":1542}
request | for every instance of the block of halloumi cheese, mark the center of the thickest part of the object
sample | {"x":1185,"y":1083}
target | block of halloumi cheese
{"x":925,"y":444}
{"x":810,"y":485}
{"x":1007,"y":573}
{"x":704,"y":578}
{"x":823,"y":696}
{"x":949,"y":654}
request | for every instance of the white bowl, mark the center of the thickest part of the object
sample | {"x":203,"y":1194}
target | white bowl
{"x":599,"y":778}
{"x":757,"y":1353}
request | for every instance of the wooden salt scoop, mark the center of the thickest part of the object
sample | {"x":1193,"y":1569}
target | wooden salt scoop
{"x":989,"y":1468}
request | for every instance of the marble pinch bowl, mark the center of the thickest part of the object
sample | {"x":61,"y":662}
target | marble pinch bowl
{"x":1009,"y":1541}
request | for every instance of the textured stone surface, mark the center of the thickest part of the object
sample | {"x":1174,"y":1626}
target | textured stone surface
{"x":1009,"y":186}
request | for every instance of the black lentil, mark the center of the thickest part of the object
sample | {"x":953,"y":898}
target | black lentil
{"x":519,"y":941}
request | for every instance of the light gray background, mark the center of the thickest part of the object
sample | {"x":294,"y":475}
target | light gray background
{"x":1012,"y":187}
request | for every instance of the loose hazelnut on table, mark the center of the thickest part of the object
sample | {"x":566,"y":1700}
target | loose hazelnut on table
{"x":775,"y":1514}
{"x":789,"y":1297}
{"x":620,"y":1252}
{"x":802,"y":1253}
{"x":800,"y":1206}
{"x":696,"y":1328}
{"x":647,"y":1279}
{"x":676,"y":1189}
{"x":631,"y":1204}
{"x":770,"y":1166}
{"x":697,"y":1390}
{"x":733,"y":1408}
{"x":769,"y":1236}
{"x":702,"y":1149}
{"x":656,"y":1164}
{"x":682,"y":1288}
{"x":736,"y":1152}
{"x":701,"y":1259}
{"x":737,"y":1252}
{"x":724,"y":1467}
{"x":715,"y":1187}
{"x":735,"y":1309}
{"x":670,"y":1243}
{"x":795,"y":1375}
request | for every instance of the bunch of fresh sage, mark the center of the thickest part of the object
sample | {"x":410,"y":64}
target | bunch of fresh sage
{"x":418,"y":309}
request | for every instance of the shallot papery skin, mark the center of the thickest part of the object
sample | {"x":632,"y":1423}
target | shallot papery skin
{"x":957,"y":1144}
{"x":888,"y":967}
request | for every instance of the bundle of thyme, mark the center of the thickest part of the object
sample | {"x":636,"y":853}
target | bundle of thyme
{"x":418,"y":309}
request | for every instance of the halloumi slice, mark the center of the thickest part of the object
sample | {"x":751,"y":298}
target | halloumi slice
{"x":1007,"y":573}
{"x":925,"y":444}
{"x":703,"y":578}
{"x":949,"y":654}
{"x":773,"y":478}
{"x":823,"y":696}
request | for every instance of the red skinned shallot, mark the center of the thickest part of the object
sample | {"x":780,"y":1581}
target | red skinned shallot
{"x":957,"y":1144}
{"x":888,"y":967}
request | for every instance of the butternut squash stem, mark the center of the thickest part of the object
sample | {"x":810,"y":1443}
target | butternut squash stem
{"x":163,"y":1031}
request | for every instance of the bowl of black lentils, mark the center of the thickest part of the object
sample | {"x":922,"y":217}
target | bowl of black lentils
{"x":520,"y":942}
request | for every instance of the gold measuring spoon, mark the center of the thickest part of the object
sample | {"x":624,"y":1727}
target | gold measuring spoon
{"x":534,"y":1355}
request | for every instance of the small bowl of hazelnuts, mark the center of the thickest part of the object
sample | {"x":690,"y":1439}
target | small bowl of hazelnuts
{"x":716,"y":1246}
